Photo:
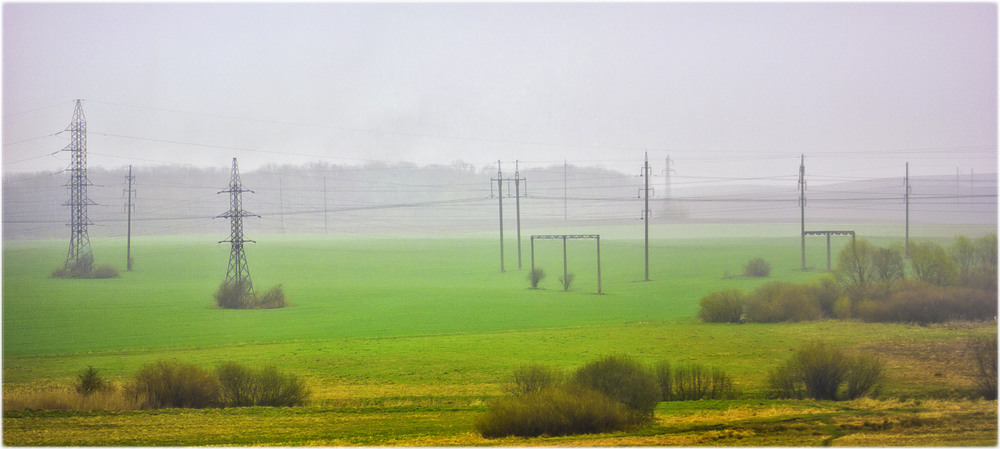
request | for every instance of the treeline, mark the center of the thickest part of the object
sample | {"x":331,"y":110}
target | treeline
{"x":873,"y":284}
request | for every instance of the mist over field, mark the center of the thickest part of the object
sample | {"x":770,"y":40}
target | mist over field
{"x":460,"y":198}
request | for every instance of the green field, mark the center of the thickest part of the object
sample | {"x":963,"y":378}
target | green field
{"x":404,"y":340}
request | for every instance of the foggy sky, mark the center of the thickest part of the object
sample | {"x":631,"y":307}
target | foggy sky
{"x":726,"y":90}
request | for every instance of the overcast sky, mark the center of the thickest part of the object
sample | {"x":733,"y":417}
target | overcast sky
{"x":726,"y":90}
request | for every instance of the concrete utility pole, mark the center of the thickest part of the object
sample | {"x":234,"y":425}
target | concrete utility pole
{"x":499,"y":181}
{"x":802,"y":206}
{"x":281,"y":206}
{"x":325,"y":229}
{"x":645,"y":210}
{"x":517,"y":205}
{"x":517,"y":179}
{"x":128,"y":209}
{"x":906,"y":198}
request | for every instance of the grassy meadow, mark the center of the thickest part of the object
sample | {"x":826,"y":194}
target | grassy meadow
{"x":405,"y":340}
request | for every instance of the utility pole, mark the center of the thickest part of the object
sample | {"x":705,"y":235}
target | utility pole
{"x":499,"y":181}
{"x":79,"y":257}
{"x":325,"y":229}
{"x":802,"y":206}
{"x":281,"y":206}
{"x":128,"y":209}
{"x":645,"y":210}
{"x":517,"y":193}
{"x":565,"y":174}
{"x":517,"y":206}
{"x":238,"y":273}
{"x":906,"y":198}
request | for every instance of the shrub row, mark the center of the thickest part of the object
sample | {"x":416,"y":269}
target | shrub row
{"x":84,"y":269}
{"x":171,"y":384}
{"x":611,"y":393}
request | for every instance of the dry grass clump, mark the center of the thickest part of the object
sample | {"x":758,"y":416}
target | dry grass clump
{"x":112,"y":397}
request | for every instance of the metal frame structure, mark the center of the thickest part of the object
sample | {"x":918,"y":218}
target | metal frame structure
{"x":238,"y":271}
{"x":79,"y":239}
{"x":565,"y":237}
{"x":827,"y":234}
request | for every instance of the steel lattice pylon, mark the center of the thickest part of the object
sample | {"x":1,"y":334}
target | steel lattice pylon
{"x":79,"y":257}
{"x":238,"y":272}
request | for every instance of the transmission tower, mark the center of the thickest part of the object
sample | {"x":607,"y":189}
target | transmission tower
{"x":79,"y":256}
{"x":238,"y":273}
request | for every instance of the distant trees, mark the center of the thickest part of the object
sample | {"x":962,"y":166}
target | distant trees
{"x":869,"y":283}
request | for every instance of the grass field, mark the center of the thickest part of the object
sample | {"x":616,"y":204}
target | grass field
{"x":405,"y":340}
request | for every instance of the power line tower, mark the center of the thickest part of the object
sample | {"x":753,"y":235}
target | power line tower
{"x":79,"y":256}
{"x":666,"y":173}
{"x":238,"y":272}
{"x":129,"y":207}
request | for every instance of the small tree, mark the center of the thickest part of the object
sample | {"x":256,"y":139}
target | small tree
{"x":567,"y":281}
{"x":90,"y":381}
{"x":535,"y":276}
{"x":963,"y":255}
{"x":855,"y":269}
{"x":931,"y":264}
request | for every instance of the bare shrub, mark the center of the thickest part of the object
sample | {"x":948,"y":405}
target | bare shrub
{"x":864,"y":375}
{"x":532,"y":379}
{"x":724,"y":306}
{"x":622,"y":379}
{"x":233,"y":295}
{"x":272,"y":299}
{"x":665,"y":378}
{"x":776,"y":302}
{"x":984,"y":372}
{"x":556,"y":411}
{"x":535,"y":276}
{"x":105,"y":272}
{"x":695,"y":382}
{"x":818,"y":370}
{"x":922,"y":303}
{"x":757,"y":267}
{"x":267,"y":387}
{"x":827,"y":292}
{"x":567,"y":280}
{"x":170,"y":384}
{"x":236,"y":295}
